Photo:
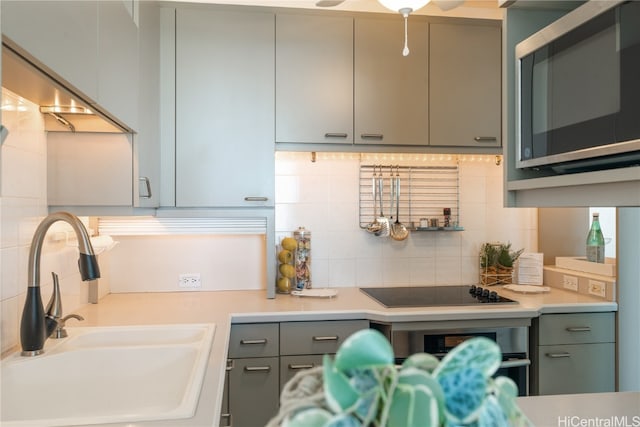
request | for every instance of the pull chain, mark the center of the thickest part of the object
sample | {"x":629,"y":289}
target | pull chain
{"x":405,"y":51}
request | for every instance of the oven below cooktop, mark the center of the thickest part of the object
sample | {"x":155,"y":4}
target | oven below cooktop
{"x":432,"y":296}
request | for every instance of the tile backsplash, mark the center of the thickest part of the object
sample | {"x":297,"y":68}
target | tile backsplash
{"x":323,"y":197}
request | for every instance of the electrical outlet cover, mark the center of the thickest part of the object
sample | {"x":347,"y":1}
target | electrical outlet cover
{"x":597,"y":288}
{"x":570,"y":282}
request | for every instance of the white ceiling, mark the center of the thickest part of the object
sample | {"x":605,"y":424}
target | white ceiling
{"x":470,"y":9}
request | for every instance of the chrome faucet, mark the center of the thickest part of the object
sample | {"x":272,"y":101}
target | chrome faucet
{"x":36,"y":327}
{"x":53,"y":311}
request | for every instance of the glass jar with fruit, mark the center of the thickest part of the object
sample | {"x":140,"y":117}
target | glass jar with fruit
{"x":286,"y":270}
{"x":302,"y":258}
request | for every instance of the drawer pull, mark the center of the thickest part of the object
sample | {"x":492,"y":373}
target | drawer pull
{"x":326,"y":338}
{"x":256,"y":199}
{"x":335,"y":135}
{"x":579,"y":329}
{"x":372,"y":136}
{"x":485,"y":138}
{"x":254,"y":342}
{"x":230,"y":364}
{"x":257,"y":368}
{"x":558,"y":355}
{"x":302,"y":366}
{"x":226,"y":417}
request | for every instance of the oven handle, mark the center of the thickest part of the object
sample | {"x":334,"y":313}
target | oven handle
{"x":515,"y":363}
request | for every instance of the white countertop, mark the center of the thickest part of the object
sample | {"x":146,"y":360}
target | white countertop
{"x":576,"y":410}
{"x":226,"y":307}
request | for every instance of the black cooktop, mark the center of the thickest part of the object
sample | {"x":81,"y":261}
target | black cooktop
{"x":431,"y":296}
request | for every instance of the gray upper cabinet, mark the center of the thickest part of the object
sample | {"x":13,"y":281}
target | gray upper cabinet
{"x":465,"y":84}
{"x":391,"y":90}
{"x":314,"y":79}
{"x":224,"y":108}
{"x":60,"y":35}
{"x":118,"y":62}
{"x":89,"y":46}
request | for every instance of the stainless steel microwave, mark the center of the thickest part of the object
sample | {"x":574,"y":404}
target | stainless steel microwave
{"x":578,"y":90}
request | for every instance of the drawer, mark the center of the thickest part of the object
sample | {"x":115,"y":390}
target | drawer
{"x":577,"y":328}
{"x":577,"y":368}
{"x":291,"y":365}
{"x":317,"y":337}
{"x":254,"y":340}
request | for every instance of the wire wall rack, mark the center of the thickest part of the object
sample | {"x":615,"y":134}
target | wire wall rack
{"x":429,"y":197}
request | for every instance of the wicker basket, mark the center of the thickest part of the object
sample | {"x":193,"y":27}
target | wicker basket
{"x":496,"y":276}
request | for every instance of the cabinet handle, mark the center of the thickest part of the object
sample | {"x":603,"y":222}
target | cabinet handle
{"x":230,"y":364}
{"x":558,"y":355}
{"x":256,"y":199}
{"x":226,"y":417}
{"x":335,"y":135}
{"x":515,"y":363}
{"x":257,"y":368}
{"x":147,"y":183}
{"x":579,"y":329}
{"x":326,"y":338}
{"x":372,"y":136}
{"x":254,"y":342}
{"x":485,"y":139}
{"x":302,"y":366}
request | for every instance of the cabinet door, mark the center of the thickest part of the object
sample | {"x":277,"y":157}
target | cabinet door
{"x":253,"y":391}
{"x":580,"y":368}
{"x":224,"y":108}
{"x":147,"y":140}
{"x":465,"y":84}
{"x":61,"y":35}
{"x":391,"y":90}
{"x":118,"y":62}
{"x":291,"y":365}
{"x":314,"y":79}
{"x":89,"y":169}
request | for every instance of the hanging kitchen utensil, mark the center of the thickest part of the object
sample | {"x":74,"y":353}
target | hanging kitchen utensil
{"x":374,"y":226}
{"x":384,"y":230}
{"x":398,"y":230}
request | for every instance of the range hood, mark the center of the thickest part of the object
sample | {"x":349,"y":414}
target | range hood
{"x":63,"y":109}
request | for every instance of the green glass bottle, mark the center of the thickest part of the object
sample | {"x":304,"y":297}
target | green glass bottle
{"x":595,"y":241}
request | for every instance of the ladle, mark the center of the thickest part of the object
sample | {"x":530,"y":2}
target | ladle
{"x":398,"y":230}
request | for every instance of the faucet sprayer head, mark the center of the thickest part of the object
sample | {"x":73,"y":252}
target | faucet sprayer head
{"x":88,"y":265}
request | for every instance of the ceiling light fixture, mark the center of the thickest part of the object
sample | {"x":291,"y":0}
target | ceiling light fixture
{"x":404,"y":7}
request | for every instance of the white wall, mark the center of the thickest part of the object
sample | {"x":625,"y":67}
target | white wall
{"x":323,"y":197}
{"x":23,"y":204}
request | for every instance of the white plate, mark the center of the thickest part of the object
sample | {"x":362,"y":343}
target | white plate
{"x":317,"y":293}
{"x":528,"y":289}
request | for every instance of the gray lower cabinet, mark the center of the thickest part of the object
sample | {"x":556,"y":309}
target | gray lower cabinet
{"x":264,"y":356}
{"x":253,"y":375}
{"x":573,"y":353}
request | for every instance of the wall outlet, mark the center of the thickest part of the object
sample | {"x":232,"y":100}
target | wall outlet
{"x":597,"y":288}
{"x":189,"y":280}
{"x":570,"y":282}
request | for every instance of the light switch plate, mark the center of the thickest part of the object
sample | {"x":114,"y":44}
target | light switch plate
{"x":570,"y":282}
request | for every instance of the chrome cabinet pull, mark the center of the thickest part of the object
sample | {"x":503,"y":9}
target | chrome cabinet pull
{"x":257,"y":368}
{"x":335,"y":135}
{"x":230,"y":364}
{"x":254,"y":342}
{"x":558,"y":355}
{"x":485,"y":139}
{"x":226,"y":417}
{"x":578,"y":329}
{"x":372,"y":136}
{"x":302,"y":366}
{"x":256,"y":199}
{"x":326,"y":338}
{"x":147,"y":183}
